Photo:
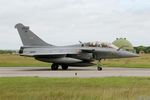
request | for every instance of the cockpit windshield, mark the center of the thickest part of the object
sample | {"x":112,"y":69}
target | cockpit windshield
{"x":100,"y":44}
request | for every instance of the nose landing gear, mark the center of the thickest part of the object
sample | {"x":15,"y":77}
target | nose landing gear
{"x":99,"y":68}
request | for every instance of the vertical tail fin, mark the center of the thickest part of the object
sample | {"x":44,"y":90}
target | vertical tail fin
{"x":28,"y":37}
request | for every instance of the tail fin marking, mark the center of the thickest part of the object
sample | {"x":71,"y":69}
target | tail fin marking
{"x":28,"y":37}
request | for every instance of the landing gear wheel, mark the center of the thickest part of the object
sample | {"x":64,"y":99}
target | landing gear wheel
{"x":99,"y":64}
{"x":99,"y":68}
{"x":64,"y":67}
{"x":54,"y":67}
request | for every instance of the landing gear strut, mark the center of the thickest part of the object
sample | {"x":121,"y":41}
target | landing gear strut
{"x":54,"y":67}
{"x":99,"y":68}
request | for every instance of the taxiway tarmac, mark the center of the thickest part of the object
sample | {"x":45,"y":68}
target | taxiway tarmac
{"x":72,"y":72}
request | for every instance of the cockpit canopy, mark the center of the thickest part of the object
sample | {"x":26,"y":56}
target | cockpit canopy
{"x":100,"y":44}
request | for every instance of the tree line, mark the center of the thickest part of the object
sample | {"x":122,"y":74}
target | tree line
{"x":145,"y":49}
{"x":7,"y":51}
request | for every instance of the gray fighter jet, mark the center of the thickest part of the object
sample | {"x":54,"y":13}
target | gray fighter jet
{"x":79,"y":55}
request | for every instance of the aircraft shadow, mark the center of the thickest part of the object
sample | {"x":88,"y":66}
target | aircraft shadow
{"x":70,"y":69}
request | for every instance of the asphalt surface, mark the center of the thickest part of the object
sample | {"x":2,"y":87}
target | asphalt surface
{"x":86,"y":72}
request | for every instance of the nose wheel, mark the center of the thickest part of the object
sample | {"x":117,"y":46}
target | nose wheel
{"x":99,"y":68}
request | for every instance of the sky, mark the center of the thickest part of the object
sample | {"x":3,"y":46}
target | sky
{"x":65,"y":22}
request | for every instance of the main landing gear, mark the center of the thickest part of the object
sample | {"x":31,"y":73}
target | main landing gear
{"x":99,"y":68}
{"x":55,"y":67}
{"x":64,"y":67}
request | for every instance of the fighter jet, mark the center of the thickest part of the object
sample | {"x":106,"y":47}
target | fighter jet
{"x":79,"y":55}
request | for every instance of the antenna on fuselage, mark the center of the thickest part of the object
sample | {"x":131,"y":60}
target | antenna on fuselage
{"x":82,"y":44}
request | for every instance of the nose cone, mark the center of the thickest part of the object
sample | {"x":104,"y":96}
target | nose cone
{"x":126,"y":54}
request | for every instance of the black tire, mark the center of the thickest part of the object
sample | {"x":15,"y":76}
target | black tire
{"x":54,"y":67}
{"x":99,"y":68}
{"x":64,"y":67}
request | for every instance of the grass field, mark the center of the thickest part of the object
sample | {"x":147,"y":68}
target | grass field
{"x":139,"y":62}
{"x":7,"y":60}
{"x":113,"y":88}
